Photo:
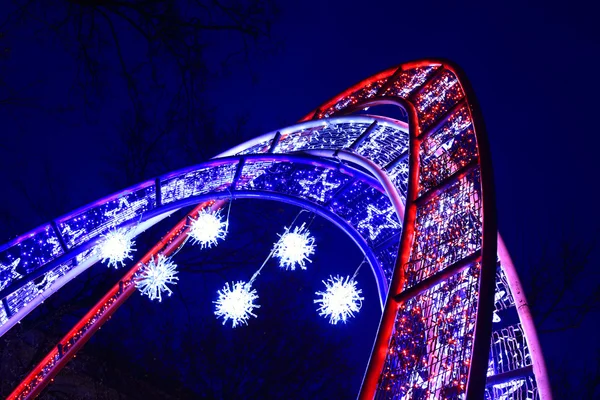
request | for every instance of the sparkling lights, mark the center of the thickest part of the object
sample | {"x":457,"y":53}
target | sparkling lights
{"x":9,"y":273}
{"x":155,"y":276}
{"x":437,"y":97}
{"x":432,"y":335}
{"x":293,"y":248}
{"x":340,"y":300}
{"x":236,"y":303}
{"x":208,"y":228}
{"x":116,"y":247}
{"x":328,"y":187}
{"x":508,"y":389}
{"x":377,"y":220}
{"x":431,"y":345}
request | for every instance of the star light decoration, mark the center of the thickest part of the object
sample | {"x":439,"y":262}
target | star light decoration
{"x":236,"y":303}
{"x":378,"y":220}
{"x":115,"y":247}
{"x":293,"y":248}
{"x":208,"y":228}
{"x":340,"y":300}
{"x":309,"y":186}
{"x":8,"y":273}
{"x":155,"y":276}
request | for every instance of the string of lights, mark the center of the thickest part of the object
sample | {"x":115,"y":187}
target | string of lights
{"x":101,"y":312}
{"x":235,"y":301}
{"x":432,"y":340}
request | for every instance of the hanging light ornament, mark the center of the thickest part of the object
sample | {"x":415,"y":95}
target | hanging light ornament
{"x":236,"y":303}
{"x":116,"y":246}
{"x":208,"y":228}
{"x":294,"y":247}
{"x":340,"y":300}
{"x":155,"y":276}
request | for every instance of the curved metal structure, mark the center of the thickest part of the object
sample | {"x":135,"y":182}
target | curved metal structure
{"x":416,"y":197}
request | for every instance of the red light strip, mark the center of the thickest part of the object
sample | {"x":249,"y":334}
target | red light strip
{"x":50,"y":366}
{"x":74,"y":340}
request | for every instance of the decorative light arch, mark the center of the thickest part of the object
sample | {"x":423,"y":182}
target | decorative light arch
{"x":417,"y":199}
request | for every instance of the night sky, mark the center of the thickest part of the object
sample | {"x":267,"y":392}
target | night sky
{"x":533,"y":68}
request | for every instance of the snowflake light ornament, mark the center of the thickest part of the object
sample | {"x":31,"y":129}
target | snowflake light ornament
{"x":208,"y":228}
{"x":293,"y":248}
{"x":155,"y":276}
{"x":236,"y":303}
{"x":116,"y":246}
{"x":340,"y":300}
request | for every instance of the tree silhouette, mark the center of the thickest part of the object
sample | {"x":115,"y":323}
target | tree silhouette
{"x":565,"y":299}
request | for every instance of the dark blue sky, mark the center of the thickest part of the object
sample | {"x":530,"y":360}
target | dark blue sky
{"x":533,"y":67}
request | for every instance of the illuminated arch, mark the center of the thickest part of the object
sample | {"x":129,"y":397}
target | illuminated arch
{"x":440,"y":263}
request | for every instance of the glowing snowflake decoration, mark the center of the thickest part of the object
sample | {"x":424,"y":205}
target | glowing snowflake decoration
{"x":115,"y":247}
{"x":155,"y":276}
{"x":208,"y":228}
{"x":236,"y":303}
{"x":294,"y":247}
{"x":340,"y":300}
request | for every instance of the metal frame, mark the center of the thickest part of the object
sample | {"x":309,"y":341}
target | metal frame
{"x":268,"y":144}
{"x":75,"y":339}
{"x":163,"y":209}
{"x":477,"y":380}
{"x":57,"y":358}
{"x":476,"y":384}
{"x":537,"y":357}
